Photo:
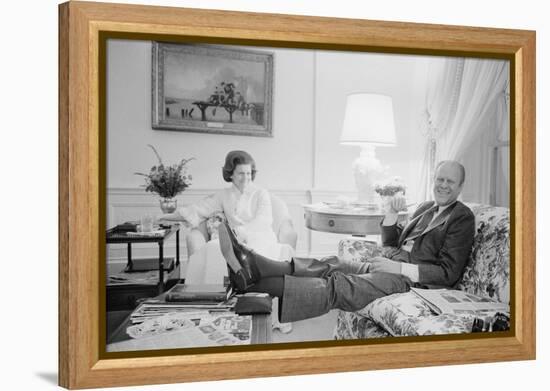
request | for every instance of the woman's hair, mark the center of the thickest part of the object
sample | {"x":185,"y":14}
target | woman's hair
{"x":233,"y":159}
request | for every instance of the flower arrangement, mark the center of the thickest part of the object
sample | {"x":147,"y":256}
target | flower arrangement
{"x":167,"y":181}
{"x":391,"y":188}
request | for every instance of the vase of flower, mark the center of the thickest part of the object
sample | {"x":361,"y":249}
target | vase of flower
{"x":167,"y":181}
{"x":168,"y":205}
{"x":388,"y":190}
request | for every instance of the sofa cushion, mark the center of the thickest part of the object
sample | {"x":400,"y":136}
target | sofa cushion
{"x":212,"y":224}
{"x":350,"y":325}
{"x":405,"y":314}
{"x":488,"y":270}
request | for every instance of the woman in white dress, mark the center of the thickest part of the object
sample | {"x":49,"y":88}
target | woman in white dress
{"x":248,"y":211}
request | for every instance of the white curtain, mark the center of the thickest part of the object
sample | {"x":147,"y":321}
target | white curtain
{"x":444,"y":82}
{"x":483,"y":81}
{"x":463,"y":110}
{"x":502,"y":147}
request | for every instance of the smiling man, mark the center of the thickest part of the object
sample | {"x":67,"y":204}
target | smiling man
{"x":416,"y":241}
{"x":431,"y":251}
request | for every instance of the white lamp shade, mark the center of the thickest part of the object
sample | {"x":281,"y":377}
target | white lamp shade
{"x":368,"y":120}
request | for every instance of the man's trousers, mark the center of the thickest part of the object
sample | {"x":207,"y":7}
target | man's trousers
{"x":317,"y":286}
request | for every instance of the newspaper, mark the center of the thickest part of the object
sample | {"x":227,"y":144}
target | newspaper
{"x":448,"y":301}
{"x":184,"y":330}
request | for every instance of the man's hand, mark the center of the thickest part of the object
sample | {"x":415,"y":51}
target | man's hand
{"x":395,"y":205}
{"x":381,"y":264}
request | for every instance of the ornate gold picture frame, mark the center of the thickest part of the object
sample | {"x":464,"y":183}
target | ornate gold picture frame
{"x":246,"y":112}
{"x":83,"y":30}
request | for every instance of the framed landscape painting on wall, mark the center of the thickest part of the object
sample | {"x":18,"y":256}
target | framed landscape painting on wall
{"x":212,"y":89}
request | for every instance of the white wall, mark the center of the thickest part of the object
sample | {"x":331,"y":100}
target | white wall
{"x":340,"y":73}
{"x":284,"y":161}
{"x":310,"y":89}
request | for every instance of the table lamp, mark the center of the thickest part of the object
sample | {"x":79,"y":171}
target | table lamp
{"x":368,"y":122}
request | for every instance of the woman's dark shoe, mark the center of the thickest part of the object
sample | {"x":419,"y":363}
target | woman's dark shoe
{"x":239,"y":258}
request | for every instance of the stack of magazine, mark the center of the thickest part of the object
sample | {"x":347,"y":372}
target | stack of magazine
{"x":186,"y":298}
{"x":187,"y":316}
{"x":449,"y":301}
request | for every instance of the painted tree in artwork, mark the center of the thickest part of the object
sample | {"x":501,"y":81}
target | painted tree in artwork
{"x":224,"y":95}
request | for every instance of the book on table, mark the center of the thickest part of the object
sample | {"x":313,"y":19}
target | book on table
{"x":452,"y":301}
{"x":198,"y":293}
{"x":147,"y":264}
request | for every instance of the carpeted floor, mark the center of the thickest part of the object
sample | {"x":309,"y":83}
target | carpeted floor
{"x":315,"y":329}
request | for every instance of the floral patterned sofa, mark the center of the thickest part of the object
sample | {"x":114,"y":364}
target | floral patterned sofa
{"x":404,"y":314}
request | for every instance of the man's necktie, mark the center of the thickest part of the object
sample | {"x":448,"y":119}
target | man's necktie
{"x":422,"y":224}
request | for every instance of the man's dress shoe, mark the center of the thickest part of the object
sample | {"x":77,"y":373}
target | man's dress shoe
{"x":243,"y":272}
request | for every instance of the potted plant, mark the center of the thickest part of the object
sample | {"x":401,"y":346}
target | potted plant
{"x":167,"y":181}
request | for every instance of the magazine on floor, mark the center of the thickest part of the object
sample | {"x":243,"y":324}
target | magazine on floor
{"x":450,"y":301}
{"x":190,"y":329}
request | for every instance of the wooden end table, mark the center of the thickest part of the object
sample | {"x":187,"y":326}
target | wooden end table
{"x":123,"y":237}
{"x":348,"y":220}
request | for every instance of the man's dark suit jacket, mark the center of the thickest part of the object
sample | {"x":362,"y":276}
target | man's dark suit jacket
{"x":442,"y":251}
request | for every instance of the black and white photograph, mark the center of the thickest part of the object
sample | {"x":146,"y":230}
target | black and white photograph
{"x":378,"y":208}
{"x":254,"y":244}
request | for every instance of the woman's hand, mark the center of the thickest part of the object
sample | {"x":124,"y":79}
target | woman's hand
{"x":168,"y":217}
{"x":236,"y":221}
{"x":241,"y":234}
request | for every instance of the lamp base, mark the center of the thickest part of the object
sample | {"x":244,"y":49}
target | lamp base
{"x":366,"y":170}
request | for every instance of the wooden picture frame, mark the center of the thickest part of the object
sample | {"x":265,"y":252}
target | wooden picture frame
{"x":84,"y":26}
{"x":245,"y":109}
